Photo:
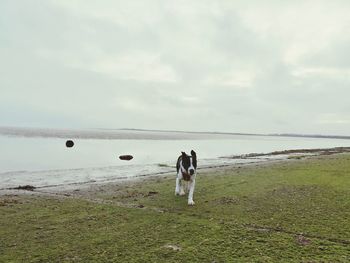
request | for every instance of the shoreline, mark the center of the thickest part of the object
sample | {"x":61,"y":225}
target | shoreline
{"x":240,"y":161}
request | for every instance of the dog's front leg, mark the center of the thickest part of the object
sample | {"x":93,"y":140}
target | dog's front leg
{"x":190,"y":195}
{"x":177,"y":187}
{"x":182,"y":191}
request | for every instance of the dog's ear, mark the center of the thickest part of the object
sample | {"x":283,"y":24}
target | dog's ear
{"x":194,"y":159}
{"x":184,"y":154}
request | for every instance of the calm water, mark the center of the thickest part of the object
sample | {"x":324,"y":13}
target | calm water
{"x":35,"y":154}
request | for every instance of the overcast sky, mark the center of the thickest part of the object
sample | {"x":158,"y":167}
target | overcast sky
{"x":234,"y":66}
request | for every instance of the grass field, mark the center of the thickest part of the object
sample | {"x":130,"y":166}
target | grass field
{"x":293,"y":211}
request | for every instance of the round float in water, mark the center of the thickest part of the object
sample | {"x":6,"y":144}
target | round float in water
{"x":125,"y":157}
{"x":69,"y":144}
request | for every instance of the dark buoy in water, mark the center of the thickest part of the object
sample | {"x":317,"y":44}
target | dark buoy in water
{"x":126,"y":157}
{"x":69,"y":144}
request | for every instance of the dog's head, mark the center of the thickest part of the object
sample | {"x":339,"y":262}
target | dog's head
{"x":189,"y":162}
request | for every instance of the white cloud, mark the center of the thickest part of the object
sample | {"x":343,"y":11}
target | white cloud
{"x":133,"y":65}
{"x":338,"y":73}
{"x":333,"y":119}
{"x":238,"y":79}
{"x":130,"y":14}
{"x":301,"y":27}
{"x":256,"y":66}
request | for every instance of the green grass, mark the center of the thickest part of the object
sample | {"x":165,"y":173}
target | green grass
{"x":296,"y":211}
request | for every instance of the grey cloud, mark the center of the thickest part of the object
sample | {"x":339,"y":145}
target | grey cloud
{"x":195,"y":65}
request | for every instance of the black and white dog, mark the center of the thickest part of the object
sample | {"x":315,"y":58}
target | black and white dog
{"x":186,"y":167}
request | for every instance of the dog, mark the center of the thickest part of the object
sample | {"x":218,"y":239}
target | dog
{"x":186,"y":168}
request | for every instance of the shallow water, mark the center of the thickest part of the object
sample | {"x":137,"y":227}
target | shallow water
{"x":27,"y":159}
{"x":18,"y":154}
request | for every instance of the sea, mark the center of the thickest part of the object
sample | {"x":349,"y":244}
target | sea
{"x":39,"y":157}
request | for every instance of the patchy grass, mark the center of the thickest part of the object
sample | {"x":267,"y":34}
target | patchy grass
{"x":295,"y":211}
